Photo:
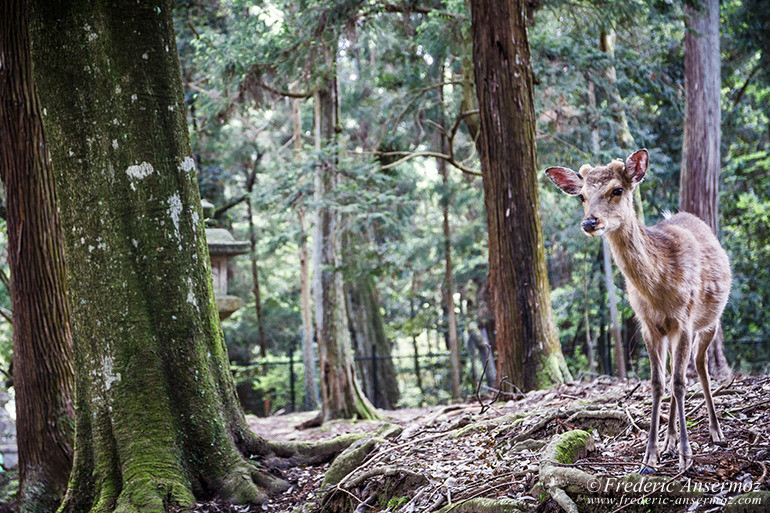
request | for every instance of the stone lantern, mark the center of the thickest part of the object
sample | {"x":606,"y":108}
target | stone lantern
{"x":222,"y":247}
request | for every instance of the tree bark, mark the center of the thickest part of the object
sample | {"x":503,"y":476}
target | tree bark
{"x":312,"y":398}
{"x":625,"y":141}
{"x":455,"y":364}
{"x":341,"y":395}
{"x":529,"y":353}
{"x":367,"y":331}
{"x":158,"y":421}
{"x":42,"y":344}
{"x":699,"y":179}
{"x":251,"y":181}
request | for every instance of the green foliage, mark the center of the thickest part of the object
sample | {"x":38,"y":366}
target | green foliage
{"x":391,"y":58}
{"x":270,"y":376}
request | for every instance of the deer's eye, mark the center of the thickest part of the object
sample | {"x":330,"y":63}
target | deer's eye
{"x":581,"y":198}
{"x":617,"y":192}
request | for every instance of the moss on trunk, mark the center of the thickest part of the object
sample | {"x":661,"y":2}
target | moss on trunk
{"x":158,"y":421}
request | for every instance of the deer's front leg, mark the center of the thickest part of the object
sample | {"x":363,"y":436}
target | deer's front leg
{"x":669,"y":444}
{"x":680,"y":357}
{"x":657,"y":353}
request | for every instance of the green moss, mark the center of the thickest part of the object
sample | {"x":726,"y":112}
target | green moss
{"x":567,"y":447}
{"x":397,"y":502}
{"x":349,"y":460}
{"x":752,"y":502}
{"x":553,"y":370}
{"x":483,"y":505}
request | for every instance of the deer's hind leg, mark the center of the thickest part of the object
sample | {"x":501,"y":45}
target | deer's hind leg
{"x":703,"y":341}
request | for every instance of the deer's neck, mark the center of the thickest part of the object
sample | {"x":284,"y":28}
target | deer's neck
{"x":634,"y":251}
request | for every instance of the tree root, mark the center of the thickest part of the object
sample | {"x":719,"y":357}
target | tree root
{"x":349,"y":460}
{"x":481,"y":505}
{"x":570,"y":486}
{"x":584,"y":417}
{"x":291,"y":454}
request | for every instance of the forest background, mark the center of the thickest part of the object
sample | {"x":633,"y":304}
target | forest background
{"x":404,"y":78}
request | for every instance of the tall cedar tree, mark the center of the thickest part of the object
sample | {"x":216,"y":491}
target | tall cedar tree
{"x":699,"y":180}
{"x":529,"y":353}
{"x":158,"y":422}
{"x":341,"y":394}
{"x":42,"y":345}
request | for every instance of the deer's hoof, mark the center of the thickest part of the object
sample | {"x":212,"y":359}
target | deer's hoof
{"x":717,"y":436}
{"x":666,"y":455}
{"x":646,"y":469}
{"x":685,"y":462}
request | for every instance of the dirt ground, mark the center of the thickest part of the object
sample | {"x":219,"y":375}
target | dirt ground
{"x":456,"y":457}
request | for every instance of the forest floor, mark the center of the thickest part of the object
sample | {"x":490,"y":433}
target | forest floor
{"x":575,"y":446}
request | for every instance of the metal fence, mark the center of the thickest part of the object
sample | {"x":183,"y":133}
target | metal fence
{"x":422,"y":378}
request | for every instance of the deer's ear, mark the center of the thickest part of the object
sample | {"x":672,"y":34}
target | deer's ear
{"x":565,"y":179}
{"x":636,"y":166}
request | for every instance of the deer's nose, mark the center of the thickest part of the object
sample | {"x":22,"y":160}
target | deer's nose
{"x":589,"y":224}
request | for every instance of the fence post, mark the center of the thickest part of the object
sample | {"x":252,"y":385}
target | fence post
{"x":291,"y":378}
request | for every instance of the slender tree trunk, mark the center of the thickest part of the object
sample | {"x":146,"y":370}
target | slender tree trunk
{"x":590,"y":348}
{"x":42,"y":344}
{"x":158,"y":421}
{"x":617,"y":339}
{"x":417,"y":372}
{"x":622,"y":133}
{"x":312,"y":398}
{"x":455,"y":365}
{"x":699,"y":179}
{"x":625,"y":140}
{"x":341,"y":394}
{"x":251,"y":180}
{"x":529,"y":353}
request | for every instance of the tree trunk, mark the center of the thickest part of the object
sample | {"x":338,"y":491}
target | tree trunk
{"x":617,"y":339}
{"x":369,"y":340}
{"x":251,"y":180}
{"x":455,"y":365}
{"x":529,"y":353}
{"x":341,"y":395}
{"x":699,"y":179}
{"x":312,"y":398}
{"x":42,"y":345}
{"x":158,"y":421}
{"x":625,"y":141}
{"x":622,"y":133}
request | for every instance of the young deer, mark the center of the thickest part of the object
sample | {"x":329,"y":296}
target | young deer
{"x":678,"y":279}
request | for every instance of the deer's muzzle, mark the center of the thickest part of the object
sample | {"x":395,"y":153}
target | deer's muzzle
{"x":589,"y":224}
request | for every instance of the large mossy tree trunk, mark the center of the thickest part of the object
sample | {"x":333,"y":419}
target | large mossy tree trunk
{"x":158,"y":422}
{"x":42,"y":345}
{"x":341,"y":394}
{"x":529,"y":353}
{"x":701,"y":163}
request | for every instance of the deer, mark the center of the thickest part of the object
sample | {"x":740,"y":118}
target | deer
{"x":678,"y":281}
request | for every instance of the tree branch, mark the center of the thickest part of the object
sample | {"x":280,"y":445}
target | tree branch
{"x":288,"y":94}
{"x":409,"y":155}
{"x":224,"y":208}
